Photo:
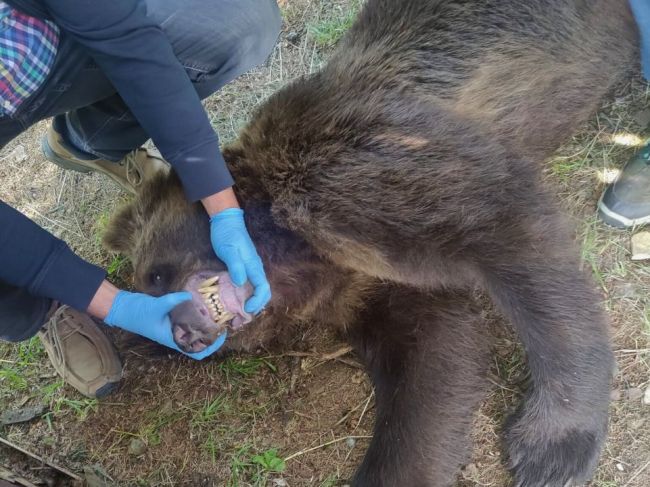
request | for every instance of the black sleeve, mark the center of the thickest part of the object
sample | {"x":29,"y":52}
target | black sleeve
{"x":137,"y":57}
{"x":33,"y":259}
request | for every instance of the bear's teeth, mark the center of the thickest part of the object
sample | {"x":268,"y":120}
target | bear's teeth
{"x":225,"y":318}
{"x":212,"y":301}
{"x":209,"y":289}
{"x":209,"y":282}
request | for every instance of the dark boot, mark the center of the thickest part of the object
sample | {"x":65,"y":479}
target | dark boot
{"x":626,"y":202}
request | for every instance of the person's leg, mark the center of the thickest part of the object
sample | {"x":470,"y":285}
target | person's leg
{"x":626,"y":202}
{"x":21,"y":314}
{"x":641,"y":9}
{"x":74,"y":81}
{"x":215,"y":40}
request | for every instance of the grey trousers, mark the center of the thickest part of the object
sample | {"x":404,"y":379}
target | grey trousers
{"x":215,"y":40}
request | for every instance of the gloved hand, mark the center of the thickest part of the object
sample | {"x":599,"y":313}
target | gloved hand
{"x":641,"y":9}
{"x":233,"y":245}
{"x":149,"y":317}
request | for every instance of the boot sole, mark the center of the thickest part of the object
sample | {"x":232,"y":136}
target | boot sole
{"x":53,"y":157}
{"x":617,"y":220}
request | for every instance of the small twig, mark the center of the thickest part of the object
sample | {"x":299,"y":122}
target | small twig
{"x":365,"y":408}
{"x":496,"y":380}
{"x":337,"y":353}
{"x":351,"y":363}
{"x":54,"y":222}
{"x":632,"y":350}
{"x":337,"y":440}
{"x":637,"y":473}
{"x":355,"y":408}
{"x":295,"y":373}
{"x":320,"y":356}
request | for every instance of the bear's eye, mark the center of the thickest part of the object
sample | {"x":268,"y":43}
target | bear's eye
{"x":155,"y":278}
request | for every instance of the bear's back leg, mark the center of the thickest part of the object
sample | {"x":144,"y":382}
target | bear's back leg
{"x":427,"y":356}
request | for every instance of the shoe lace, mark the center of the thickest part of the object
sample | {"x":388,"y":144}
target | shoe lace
{"x":133,"y":170}
{"x":53,"y":336}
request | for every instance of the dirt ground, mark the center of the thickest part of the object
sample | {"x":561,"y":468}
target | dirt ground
{"x":301,"y":417}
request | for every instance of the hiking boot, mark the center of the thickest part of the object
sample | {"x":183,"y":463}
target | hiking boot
{"x":626,"y":202}
{"x":80,"y":352}
{"x":136,"y":167}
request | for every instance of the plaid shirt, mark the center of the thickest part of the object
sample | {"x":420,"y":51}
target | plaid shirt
{"x":27,"y":51}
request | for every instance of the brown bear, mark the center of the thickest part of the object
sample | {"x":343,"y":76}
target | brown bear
{"x":383,"y":189}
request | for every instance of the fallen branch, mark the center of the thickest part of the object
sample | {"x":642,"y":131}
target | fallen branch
{"x":33,"y":456}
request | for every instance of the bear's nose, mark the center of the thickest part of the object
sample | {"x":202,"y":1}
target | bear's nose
{"x":187,"y":339}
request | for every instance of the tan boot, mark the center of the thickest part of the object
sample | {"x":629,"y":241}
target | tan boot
{"x":80,"y":352}
{"x":130,"y":172}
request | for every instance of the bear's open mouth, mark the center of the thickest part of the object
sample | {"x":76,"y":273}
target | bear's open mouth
{"x":209,"y":290}
{"x":217,"y":306}
{"x":217,"y":298}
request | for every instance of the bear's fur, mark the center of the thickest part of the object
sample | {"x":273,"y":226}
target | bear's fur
{"x":384,"y":188}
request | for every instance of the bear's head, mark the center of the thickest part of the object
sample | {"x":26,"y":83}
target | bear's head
{"x":167,"y":241}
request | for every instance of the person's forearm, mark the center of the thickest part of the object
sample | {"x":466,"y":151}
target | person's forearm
{"x":101,"y":303}
{"x":35,"y":260}
{"x":220,"y":201}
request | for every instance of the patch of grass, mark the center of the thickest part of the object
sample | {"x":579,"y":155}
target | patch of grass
{"x":327,"y":32}
{"x":236,"y":368}
{"x":30,"y":352}
{"x":239,"y":466}
{"x":15,"y":373}
{"x":270,"y":461}
{"x":330,"y":481}
{"x":155,"y":423}
{"x":511,"y":365}
{"x":12,"y":379}
{"x":62,"y":406}
{"x":254,"y":469}
{"x":81,"y":407}
{"x":117,"y":264}
{"x":212,"y":447}
{"x":211,"y":411}
{"x":563,"y":168}
{"x":592,"y":248}
{"x":101,"y":225}
{"x":49,"y":391}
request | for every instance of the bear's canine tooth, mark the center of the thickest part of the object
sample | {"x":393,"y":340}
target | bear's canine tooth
{"x":225,"y":318}
{"x":209,"y":282}
{"x":209,"y":289}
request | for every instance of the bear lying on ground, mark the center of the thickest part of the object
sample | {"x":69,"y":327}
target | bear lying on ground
{"x":385,"y":188}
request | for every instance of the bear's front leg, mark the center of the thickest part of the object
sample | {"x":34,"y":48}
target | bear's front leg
{"x":556,"y":436}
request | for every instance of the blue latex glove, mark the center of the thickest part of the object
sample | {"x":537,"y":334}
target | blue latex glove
{"x":149,"y":317}
{"x":233,"y":245}
{"x":641,"y":9}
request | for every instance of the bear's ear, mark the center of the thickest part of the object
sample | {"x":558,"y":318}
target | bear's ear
{"x":120,"y":232}
{"x":234,"y":155}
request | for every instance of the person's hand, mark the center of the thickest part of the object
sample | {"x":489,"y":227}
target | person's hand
{"x":234,"y":247}
{"x":149,"y":317}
